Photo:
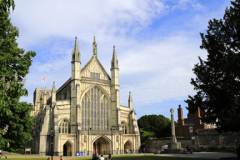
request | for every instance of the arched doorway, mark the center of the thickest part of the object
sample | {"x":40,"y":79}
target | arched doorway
{"x":128,"y":145}
{"x":67,"y":149}
{"x":102,"y":146}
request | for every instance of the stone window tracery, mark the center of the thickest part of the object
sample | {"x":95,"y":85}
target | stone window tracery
{"x":97,"y":117}
{"x":64,"y":127}
{"x":124,"y":128}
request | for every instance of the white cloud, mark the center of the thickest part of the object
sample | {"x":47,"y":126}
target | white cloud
{"x":40,"y":20}
{"x":156,"y":69}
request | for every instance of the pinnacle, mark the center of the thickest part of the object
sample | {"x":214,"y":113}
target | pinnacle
{"x":114,"y":59}
{"x":53,"y":86}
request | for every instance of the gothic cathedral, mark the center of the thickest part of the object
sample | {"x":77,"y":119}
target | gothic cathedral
{"x":84,"y":114}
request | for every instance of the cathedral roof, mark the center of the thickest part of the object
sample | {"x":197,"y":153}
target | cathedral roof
{"x":94,"y":57}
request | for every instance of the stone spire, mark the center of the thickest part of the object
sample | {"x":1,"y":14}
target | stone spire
{"x":54,"y":89}
{"x":94,"y":47}
{"x":53,"y":95}
{"x":76,"y":53}
{"x":130,"y":101}
{"x":114,"y":59}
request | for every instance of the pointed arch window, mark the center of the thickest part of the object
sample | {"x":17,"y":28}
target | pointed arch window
{"x":124,"y":128}
{"x":64,"y":127}
{"x":97,"y":117}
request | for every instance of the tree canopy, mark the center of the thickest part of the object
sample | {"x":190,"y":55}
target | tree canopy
{"x":217,"y":81}
{"x":15,"y":119}
{"x":157,"y":124}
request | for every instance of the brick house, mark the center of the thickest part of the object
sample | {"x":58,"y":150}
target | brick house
{"x":187,"y":127}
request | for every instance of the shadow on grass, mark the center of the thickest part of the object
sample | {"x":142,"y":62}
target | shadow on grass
{"x":145,"y":157}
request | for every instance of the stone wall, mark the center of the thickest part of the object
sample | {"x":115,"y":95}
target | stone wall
{"x":212,"y":140}
{"x":206,"y":140}
{"x":152,"y":145}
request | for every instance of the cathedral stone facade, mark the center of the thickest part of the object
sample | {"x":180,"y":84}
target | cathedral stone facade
{"x":84,"y":114}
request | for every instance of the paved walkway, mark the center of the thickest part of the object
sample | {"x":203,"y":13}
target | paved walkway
{"x":204,"y":155}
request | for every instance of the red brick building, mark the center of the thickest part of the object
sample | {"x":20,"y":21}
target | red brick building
{"x":187,"y":127}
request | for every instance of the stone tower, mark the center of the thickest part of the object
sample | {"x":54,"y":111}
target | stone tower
{"x":75,"y":85}
{"x":116,"y":124}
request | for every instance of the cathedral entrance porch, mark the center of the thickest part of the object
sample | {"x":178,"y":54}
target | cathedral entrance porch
{"x":67,"y":149}
{"x":102,"y":146}
{"x":128,"y":146}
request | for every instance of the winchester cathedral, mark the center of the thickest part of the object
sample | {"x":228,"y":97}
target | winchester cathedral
{"x":84,"y":114}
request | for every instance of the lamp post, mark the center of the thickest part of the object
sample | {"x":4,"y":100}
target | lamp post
{"x":112,"y":140}
{"x":52,"y":133}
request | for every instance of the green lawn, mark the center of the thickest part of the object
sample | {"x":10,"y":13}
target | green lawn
{"x":145,"y":157}
{"x":26,"y":158}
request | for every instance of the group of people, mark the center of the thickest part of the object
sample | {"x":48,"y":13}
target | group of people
{"x":95,"y":157}
{"x":129,"y":152}
{"x":3,"y":154}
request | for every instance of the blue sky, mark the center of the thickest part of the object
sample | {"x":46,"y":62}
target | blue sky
{"x":157,"y":44}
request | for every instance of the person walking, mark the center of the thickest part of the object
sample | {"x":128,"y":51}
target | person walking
{"x":127,"y":150}
{"x":109,"y":157}
{"x":189,"y":149}
{"x":61,"y":158}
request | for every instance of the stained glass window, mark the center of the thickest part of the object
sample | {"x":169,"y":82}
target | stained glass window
{"x":95,"y":113}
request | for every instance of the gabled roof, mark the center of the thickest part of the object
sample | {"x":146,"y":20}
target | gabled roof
{"x":85,"y":66}
{"x":66,"y":83}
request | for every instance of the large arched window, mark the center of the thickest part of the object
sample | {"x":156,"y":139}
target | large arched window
{"x":64,"y":127}
{"x":94,"y":110}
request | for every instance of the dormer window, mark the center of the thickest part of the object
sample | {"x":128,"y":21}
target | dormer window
{"x":95,"y":75}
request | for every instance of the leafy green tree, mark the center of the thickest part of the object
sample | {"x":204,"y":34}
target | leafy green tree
{"x":158,"y":124}
{"x":14,"y":65}
{"x":6,"y":4}
{"x":145,"y":135}
{"x":217,"y":79}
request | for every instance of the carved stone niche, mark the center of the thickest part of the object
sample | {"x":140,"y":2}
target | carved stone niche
{"x":117,"y":138}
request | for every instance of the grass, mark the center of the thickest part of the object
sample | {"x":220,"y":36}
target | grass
{"x":145,"y":157}
{"x":12,"y":153}
{"x":26,"y":158}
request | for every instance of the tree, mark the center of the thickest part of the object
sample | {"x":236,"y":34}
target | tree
{"x":6,"y":4}
{"x":158,"y":124}
{"x":145,"y":135}
{"x":217,"y":79}
{"x":14,"y":65}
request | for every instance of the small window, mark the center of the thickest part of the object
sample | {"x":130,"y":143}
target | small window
{"x":65,"y":127}
{"x":95,"y":75}
{"x":190,"y":129}
{"x":208,"y":126}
